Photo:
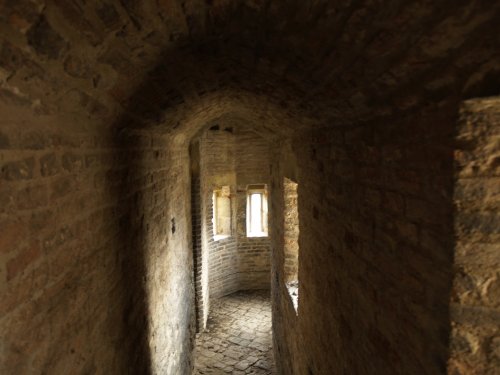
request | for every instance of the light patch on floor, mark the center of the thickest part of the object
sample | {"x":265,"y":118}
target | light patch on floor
{"x":239,"y":336}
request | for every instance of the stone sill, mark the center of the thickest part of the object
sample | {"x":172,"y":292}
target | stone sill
{"x":257,"y":235}
{"x":221,"y":237}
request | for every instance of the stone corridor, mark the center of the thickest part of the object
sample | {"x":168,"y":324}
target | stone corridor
{"x":238,"y":340}
{"x":158,"y":156}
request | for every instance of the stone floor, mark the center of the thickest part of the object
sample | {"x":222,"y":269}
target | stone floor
{"x":239,"y":337}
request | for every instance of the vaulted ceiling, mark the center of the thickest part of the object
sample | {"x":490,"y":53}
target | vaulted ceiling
{"x":282,"y":64}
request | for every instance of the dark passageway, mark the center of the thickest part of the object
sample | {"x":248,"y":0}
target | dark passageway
{"x":143,"y":143}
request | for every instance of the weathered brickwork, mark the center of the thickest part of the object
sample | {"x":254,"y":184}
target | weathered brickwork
{"x":252,"y":167}
{"x":290,"y":230}
{"x":217,"y":147}
{"x":143,"y":58}
{"x":200,"y":286}
{"x":98,"y":103}
{"x":235,"y":157}
{"x":81,"y":221}
{"x":475,"y":298}
{"x":379,"y":282}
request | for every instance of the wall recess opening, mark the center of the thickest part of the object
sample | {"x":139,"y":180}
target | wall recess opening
{"x":257,"y":211}
{"x":291,"y":240}
{"x":222,"y":213}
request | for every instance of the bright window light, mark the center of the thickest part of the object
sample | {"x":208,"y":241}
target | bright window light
{"x":256,"y":211}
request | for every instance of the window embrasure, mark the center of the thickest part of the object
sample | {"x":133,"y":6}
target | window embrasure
{"x":291,"y":240}
{"x":222,"y":213}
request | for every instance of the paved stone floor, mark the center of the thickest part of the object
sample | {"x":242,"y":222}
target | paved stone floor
{"x":239,"y":337}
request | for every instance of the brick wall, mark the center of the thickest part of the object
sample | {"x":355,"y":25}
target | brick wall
{"x":200,"y":287}
{"x":290,"y":230}
{"x":235,"y":157}
{"x":86,"y":241}
{"x":78,"y":261}
{"x":252,"y":167}
{"x":376,"y":239}
{"x":217,"y":148}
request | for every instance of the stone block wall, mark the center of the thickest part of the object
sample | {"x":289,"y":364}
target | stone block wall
{"x":376,"y":248}
{"x":475,"y":299}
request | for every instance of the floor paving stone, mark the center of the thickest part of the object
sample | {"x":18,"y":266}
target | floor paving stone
{"x":238,"y":339}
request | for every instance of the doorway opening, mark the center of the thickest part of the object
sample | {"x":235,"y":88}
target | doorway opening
{"x":230,"y":176}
